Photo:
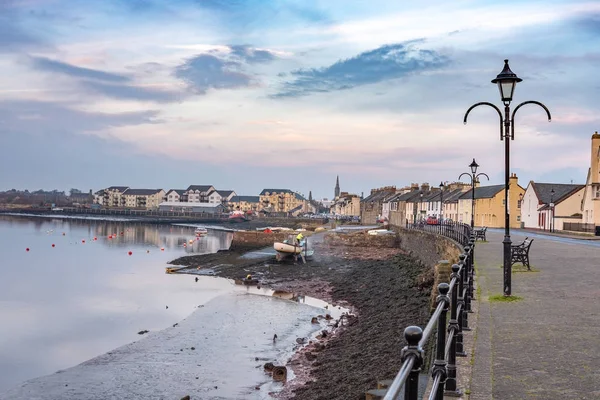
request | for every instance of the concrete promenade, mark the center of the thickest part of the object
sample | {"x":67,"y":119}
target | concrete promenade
{"x":547,"y":345}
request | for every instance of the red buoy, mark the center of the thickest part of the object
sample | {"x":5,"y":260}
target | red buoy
{"x":63,"y":234}
{"x":82,"y":241}
{"x":130,"y":253}
{"x":53,"y":245}
{"x":95,"y":238}
{"x":27,"y":249}
{"x":162,"y":249}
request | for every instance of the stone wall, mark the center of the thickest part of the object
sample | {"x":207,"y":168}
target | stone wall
{"x":361,"y":239}
{"x":255,"y":239}
{"x":427,"y":247}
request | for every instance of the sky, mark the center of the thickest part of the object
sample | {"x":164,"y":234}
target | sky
{"x":253,"y":94}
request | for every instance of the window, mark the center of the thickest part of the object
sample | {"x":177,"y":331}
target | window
{"x":503,"y":202}
{"x":518,"y":218}
{"x":519,"y":203}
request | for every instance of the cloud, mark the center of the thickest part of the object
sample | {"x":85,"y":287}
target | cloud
{"x":384,"y":63}
{"x":207,"y":71}
{"x":252,"y":55}
{"x":53,"y":66}
{"x":13,"y":36}
{"x":130,"y":92}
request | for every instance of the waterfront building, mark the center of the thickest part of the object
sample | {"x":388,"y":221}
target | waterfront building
{"x":281,"y":200}
{"x":489,"y":205}
{"x":371,"y":208}
{"x":112,"y":196}
{"x":174,"y":195}
{"x":590,"y":207}
{"x":197,"y":193}
{"x":220,"y":197}
{"x":245,"y":203}
{"x":186,"y":207}
{"x":147,"y":199}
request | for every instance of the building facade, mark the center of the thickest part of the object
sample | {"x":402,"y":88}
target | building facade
{"x":147,"y":199}
{"x":371,"y":207}
{"x":591,"y":198}
{"x":113,"y":196}
{"x":346,"y":205}
{"x":245,"y":203}
{"x":174,"y":195}
{"x":280,"y":200}
{"x":549,"y":205}
{"x":197,"y":193}
{"x":489,"y":205}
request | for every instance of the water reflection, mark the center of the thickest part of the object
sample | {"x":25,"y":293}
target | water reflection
{"x":62,"y":305}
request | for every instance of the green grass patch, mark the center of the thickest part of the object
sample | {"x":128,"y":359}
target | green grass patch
{"x":500,"y":298}
{"x":521,"y":268}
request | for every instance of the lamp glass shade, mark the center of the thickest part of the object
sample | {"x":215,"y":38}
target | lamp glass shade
{"x":507,"y":89}
{"x":474,"y":167}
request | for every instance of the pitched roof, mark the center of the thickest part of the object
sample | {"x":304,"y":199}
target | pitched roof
{"x":271,"y":191}
{"x":225,"y":193}
{"x":189,"y":205}
{"x":483,"y":192}
{"x":380,"y":195}
{"x":561,"y":191}
{"x":249,"y":199}
{"x":453,"y":196}
{"x":178,"y":191}
{"x":141,"y":192}
{"x":200,"y":188}
{"x":119,"y":188}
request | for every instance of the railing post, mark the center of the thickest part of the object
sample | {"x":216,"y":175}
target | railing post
{"x":453,"y":329}
{"x":472,"y":271}
{"x":439,"y":365}
{"x":413,"y":335}
{"x":461,"y":301}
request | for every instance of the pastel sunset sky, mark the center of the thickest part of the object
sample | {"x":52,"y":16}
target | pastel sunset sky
{"x":253,"y":94}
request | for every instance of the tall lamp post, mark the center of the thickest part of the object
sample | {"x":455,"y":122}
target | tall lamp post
{"x":441,"y":201}
{"x":474,"y":176}
{"x":506,"y":81}
{"x":552,"y":209}
{"x":415,"y":212}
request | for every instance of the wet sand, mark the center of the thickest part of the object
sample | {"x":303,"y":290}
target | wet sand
{"x":386,"y":290}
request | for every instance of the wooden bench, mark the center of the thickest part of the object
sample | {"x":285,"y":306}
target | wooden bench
{"x":519,"y":253}
{"x":480,"y":234}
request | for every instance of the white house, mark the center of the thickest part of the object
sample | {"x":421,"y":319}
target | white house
{"x":175,"y":195}
{"x":549,"y":205}
{"x":197,"y":193}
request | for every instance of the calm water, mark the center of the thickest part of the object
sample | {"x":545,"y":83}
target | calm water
{"x":62,"y":305}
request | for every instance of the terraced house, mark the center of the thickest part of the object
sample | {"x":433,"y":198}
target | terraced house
{"x":147,"y":199}
{"x":245,"y":203}
{"x":280,"y":200}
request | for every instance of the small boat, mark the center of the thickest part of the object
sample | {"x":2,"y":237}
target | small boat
{"x":237,"y":216}
{"x":287,"y":248}
{"x":201,"y":231}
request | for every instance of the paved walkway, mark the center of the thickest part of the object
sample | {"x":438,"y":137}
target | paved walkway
{"x":546,"y":346}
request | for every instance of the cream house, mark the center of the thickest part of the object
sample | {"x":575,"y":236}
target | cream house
{"x":197,"y":193}
{"x":112,"y":196}
{"x":346,"y":204}
{"x":147,"y":199}
{"x":174,"y":195}
{"x":281,"y":200}
{"x":591,"y":198}
{"x":245,"y":203}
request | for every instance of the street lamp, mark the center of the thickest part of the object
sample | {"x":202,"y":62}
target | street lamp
{"x":552,"y":209}
{"x":507,"y":81}
{"x":441,"y":201}
{"x":474,"y":176}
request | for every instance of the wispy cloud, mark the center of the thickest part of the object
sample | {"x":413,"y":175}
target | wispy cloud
{"x":384,"y":63}
{"x":252,"y":55}
{"x":132,"y":92}
{"x":58,"y":67}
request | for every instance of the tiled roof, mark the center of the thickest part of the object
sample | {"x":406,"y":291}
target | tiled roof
{"x":453,"y":196}
{"x":483,"y":192}
{"x":225,"y":193}
{"x":200,"y":188}
{"x":178,"y":191}
{"x":141,"y":192}
{"x":561,"y":191}
{"x":249,"y":199}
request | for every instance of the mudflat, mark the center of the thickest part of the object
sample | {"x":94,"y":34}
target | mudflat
{"x":386,"y":289}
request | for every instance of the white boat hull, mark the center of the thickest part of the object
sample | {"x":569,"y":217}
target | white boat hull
{"x":287,"y":248}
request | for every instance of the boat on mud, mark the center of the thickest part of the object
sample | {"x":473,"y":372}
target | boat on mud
{"x":292,"y":247}
{"x":237,"y":216}
{"x":201,"y":231}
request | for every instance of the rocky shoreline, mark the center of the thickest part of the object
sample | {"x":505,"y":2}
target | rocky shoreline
{"x":385,"y":288}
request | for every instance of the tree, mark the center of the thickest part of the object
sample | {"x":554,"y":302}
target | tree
{"x":74,"y":191}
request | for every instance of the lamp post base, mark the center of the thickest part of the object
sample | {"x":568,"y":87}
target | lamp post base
{"x":507,"y":267}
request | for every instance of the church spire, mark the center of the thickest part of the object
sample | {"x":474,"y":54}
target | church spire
{"x":310,"y":199}
{"x":337,"y":187}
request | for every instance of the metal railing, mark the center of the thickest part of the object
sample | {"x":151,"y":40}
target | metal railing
{"x":456,"y":231}
{"x":455,"y":296}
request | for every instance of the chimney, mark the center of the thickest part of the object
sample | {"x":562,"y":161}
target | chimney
{"x":414,"y":187}
{"x":425,"y":187}
{"x":513,"y":180}
{"x":595,"y":160}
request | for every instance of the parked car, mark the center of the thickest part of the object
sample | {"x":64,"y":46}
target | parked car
{"x":432,"y":221}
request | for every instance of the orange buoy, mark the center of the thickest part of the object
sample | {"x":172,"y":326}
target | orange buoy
{"x":130,"y":253}
{"x":27,"y":249}
{"x":53,"y":245}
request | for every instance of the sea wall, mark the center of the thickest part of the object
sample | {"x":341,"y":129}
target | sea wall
{"x":427,"y":247}
{"x":361,"y":239}
{"x":256,"y":239}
